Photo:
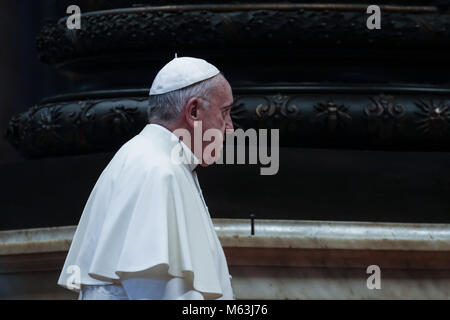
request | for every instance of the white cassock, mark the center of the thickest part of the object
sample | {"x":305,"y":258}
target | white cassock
{"x":146,"y":232}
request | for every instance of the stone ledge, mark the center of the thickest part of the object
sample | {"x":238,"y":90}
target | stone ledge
{"x":285,"y":260}
{"x":334,"y":235}
{"x":277,"y":243}
{"x":235,"y":233}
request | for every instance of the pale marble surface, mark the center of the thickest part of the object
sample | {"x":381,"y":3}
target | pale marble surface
{"x":36,"y":240}
{"x":334,"y":235}
{"x":337,"y":284}
{"x":270,"y":234}
{"x":36,"y":285}
{"x":273,"y":284}
{"x":284,"y":260}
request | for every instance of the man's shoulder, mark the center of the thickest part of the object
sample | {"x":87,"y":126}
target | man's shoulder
{"x":147,"y":157}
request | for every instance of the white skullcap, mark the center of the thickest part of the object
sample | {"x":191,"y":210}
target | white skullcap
{"x":180,"y":73}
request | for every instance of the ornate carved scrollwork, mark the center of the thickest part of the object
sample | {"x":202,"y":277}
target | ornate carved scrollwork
{"x":332,"y":116}
{"x":384,"y":116}
{"x":347,"y":120}
{"x":293,"y":60}
{"x":433,"y":118}
{"x":77,"y":127}
{"x":241,"y":25}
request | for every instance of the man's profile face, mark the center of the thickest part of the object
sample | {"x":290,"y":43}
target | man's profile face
{"x":218,"y":116}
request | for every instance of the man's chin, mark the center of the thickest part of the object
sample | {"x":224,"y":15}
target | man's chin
{"x":209,"y":162}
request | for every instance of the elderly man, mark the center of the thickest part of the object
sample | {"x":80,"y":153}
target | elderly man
{"x":145,"y":232}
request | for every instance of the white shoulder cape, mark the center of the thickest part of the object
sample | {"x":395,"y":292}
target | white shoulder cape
{"x":145,"y":215}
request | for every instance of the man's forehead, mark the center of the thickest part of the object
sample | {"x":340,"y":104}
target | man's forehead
{"x":228,"y":100}
{"x":223,"y":92}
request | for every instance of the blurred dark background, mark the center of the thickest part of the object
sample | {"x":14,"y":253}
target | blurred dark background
{"x":25,"y":81}
{"x":313,"y":184}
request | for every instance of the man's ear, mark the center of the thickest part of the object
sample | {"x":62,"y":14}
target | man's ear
{"x":191,"y":111}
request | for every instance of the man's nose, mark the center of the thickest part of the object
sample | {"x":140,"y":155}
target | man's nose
{"x":229,"y":128}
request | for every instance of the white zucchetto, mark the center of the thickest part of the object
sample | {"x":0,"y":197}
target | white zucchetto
{"x":180,"y":73}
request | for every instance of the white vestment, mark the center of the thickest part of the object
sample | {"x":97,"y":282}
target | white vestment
{"x":146,"y":219}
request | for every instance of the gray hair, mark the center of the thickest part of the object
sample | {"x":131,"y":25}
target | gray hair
{"x":168,"y":106}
